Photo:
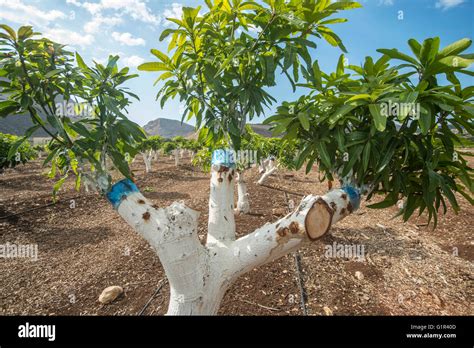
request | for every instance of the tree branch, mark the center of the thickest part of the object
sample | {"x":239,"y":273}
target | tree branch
{"x":310,"y":221}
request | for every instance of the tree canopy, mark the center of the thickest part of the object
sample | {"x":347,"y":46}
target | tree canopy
{"x":220,"y":61}
{"x":389,"y":128}
{"x":40,"y":75}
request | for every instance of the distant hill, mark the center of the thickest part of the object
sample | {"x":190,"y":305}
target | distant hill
{"x":262,"y":129}
{"x":168,"y":128}
{"x":18,"y":125}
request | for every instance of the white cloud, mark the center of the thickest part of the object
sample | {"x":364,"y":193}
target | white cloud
{"x":176,"y":11}
{"x":94,"y":25}
{"x":18,"y":12}
{"x":132,"y":61}
{"x":137,"y":9}
{"x":446,"y":4}
{"x":69,"y":37}
{"x":128,"y":39}
{"x":385,"y":2}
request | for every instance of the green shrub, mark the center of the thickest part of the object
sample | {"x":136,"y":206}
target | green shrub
{"x":23,"y":154}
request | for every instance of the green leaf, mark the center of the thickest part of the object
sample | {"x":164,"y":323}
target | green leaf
{"x":380,"y":120}
{"x":8,"y":107}
{"x":366,"y":97}
{"x":455,"y":48}
{"x":343,"y":5}
{"x":165,"y":33}
{"x":25,"y":32}
{"x":16,"y":145}
{"x":366,"y":156}
{"x":341,"y":111}
{"x":112,"y":62}
{"x":9,"y":30}
{"x":154,"y":66}
{"x":389,"y":200}
{"x":57,"y":186}
{"x":415,"y":47}
{"x":52,"y":73}
{"x":317,"y":75}
{"x":393,"y":53}
{"x":323,"y":154}
{"x":410,"y":206}
{"x":340,"y":66}
{"x":80,"y":62}
{"x":331,"y":38}
{"x":304,"y":120}
{"x":448,"y":64}
{"x":160,"y":55}
{"x":425,"y":120}
{"x":429,"y":49}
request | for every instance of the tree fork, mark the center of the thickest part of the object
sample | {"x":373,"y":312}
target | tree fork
{"x":199,"y":275}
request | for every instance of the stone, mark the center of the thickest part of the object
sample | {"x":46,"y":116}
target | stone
{"x":327,"y":311}
{"x":110,"y":294}
{"x":359,"y":275}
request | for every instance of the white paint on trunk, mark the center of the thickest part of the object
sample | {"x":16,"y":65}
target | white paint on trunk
{"x":221,"y":223}
{"x":147,"y":158}
{"x":243,"y":204}
{"x":176,"y":157}
{"x":200,"y":275}
{"x":269,"y":168}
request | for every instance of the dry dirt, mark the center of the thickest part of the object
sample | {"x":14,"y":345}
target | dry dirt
{"x":84,"y":247}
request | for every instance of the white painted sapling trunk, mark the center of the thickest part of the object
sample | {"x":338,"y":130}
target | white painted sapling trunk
{"x":243,"y":204}
{"x":147,"y":159}
{"x":176,"y":157}
{"x":199,"y":275}
{"x":269,"y":167}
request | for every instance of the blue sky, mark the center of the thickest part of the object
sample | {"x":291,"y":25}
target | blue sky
{"x":130,"y":28}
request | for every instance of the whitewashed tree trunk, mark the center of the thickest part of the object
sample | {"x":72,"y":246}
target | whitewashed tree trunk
{"x":269,"y":167}
{"x":147,"y":158}
{"x":261,"y":167}
{"x":176,"y":157}
{"x":243,"y":204}
{"x":199,"y":275}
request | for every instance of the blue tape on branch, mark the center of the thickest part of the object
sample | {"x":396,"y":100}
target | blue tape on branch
{"x":354,"y":196}
{"x":225,"y":158}
{"x":120,"y":191}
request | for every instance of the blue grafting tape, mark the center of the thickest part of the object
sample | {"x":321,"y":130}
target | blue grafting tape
{"x":354,"y":196}
{"x":121,"y":190}
{"x":225,"y":158}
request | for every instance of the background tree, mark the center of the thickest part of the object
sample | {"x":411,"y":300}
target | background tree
{"x":41,"y":77}
{"x":23,"y":154}
{"x":149,"y":149}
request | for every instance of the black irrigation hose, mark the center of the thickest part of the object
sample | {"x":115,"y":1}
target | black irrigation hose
{"x":299,"y":270}
{"x":40,"y":207}
{"x":161,"y":283}
{"x":301,"y":282}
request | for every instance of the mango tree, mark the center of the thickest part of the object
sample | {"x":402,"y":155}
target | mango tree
{"x":41,"y":80}
{"x":390,"y":130}
{"x":219,"y":64}
{"x":149,"y":149}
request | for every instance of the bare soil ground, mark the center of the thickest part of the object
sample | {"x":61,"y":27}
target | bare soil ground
{"x":84,"y":247}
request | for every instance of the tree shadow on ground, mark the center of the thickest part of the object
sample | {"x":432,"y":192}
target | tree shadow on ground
{"x":377,"y":241}
{"x":167,"y":195}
